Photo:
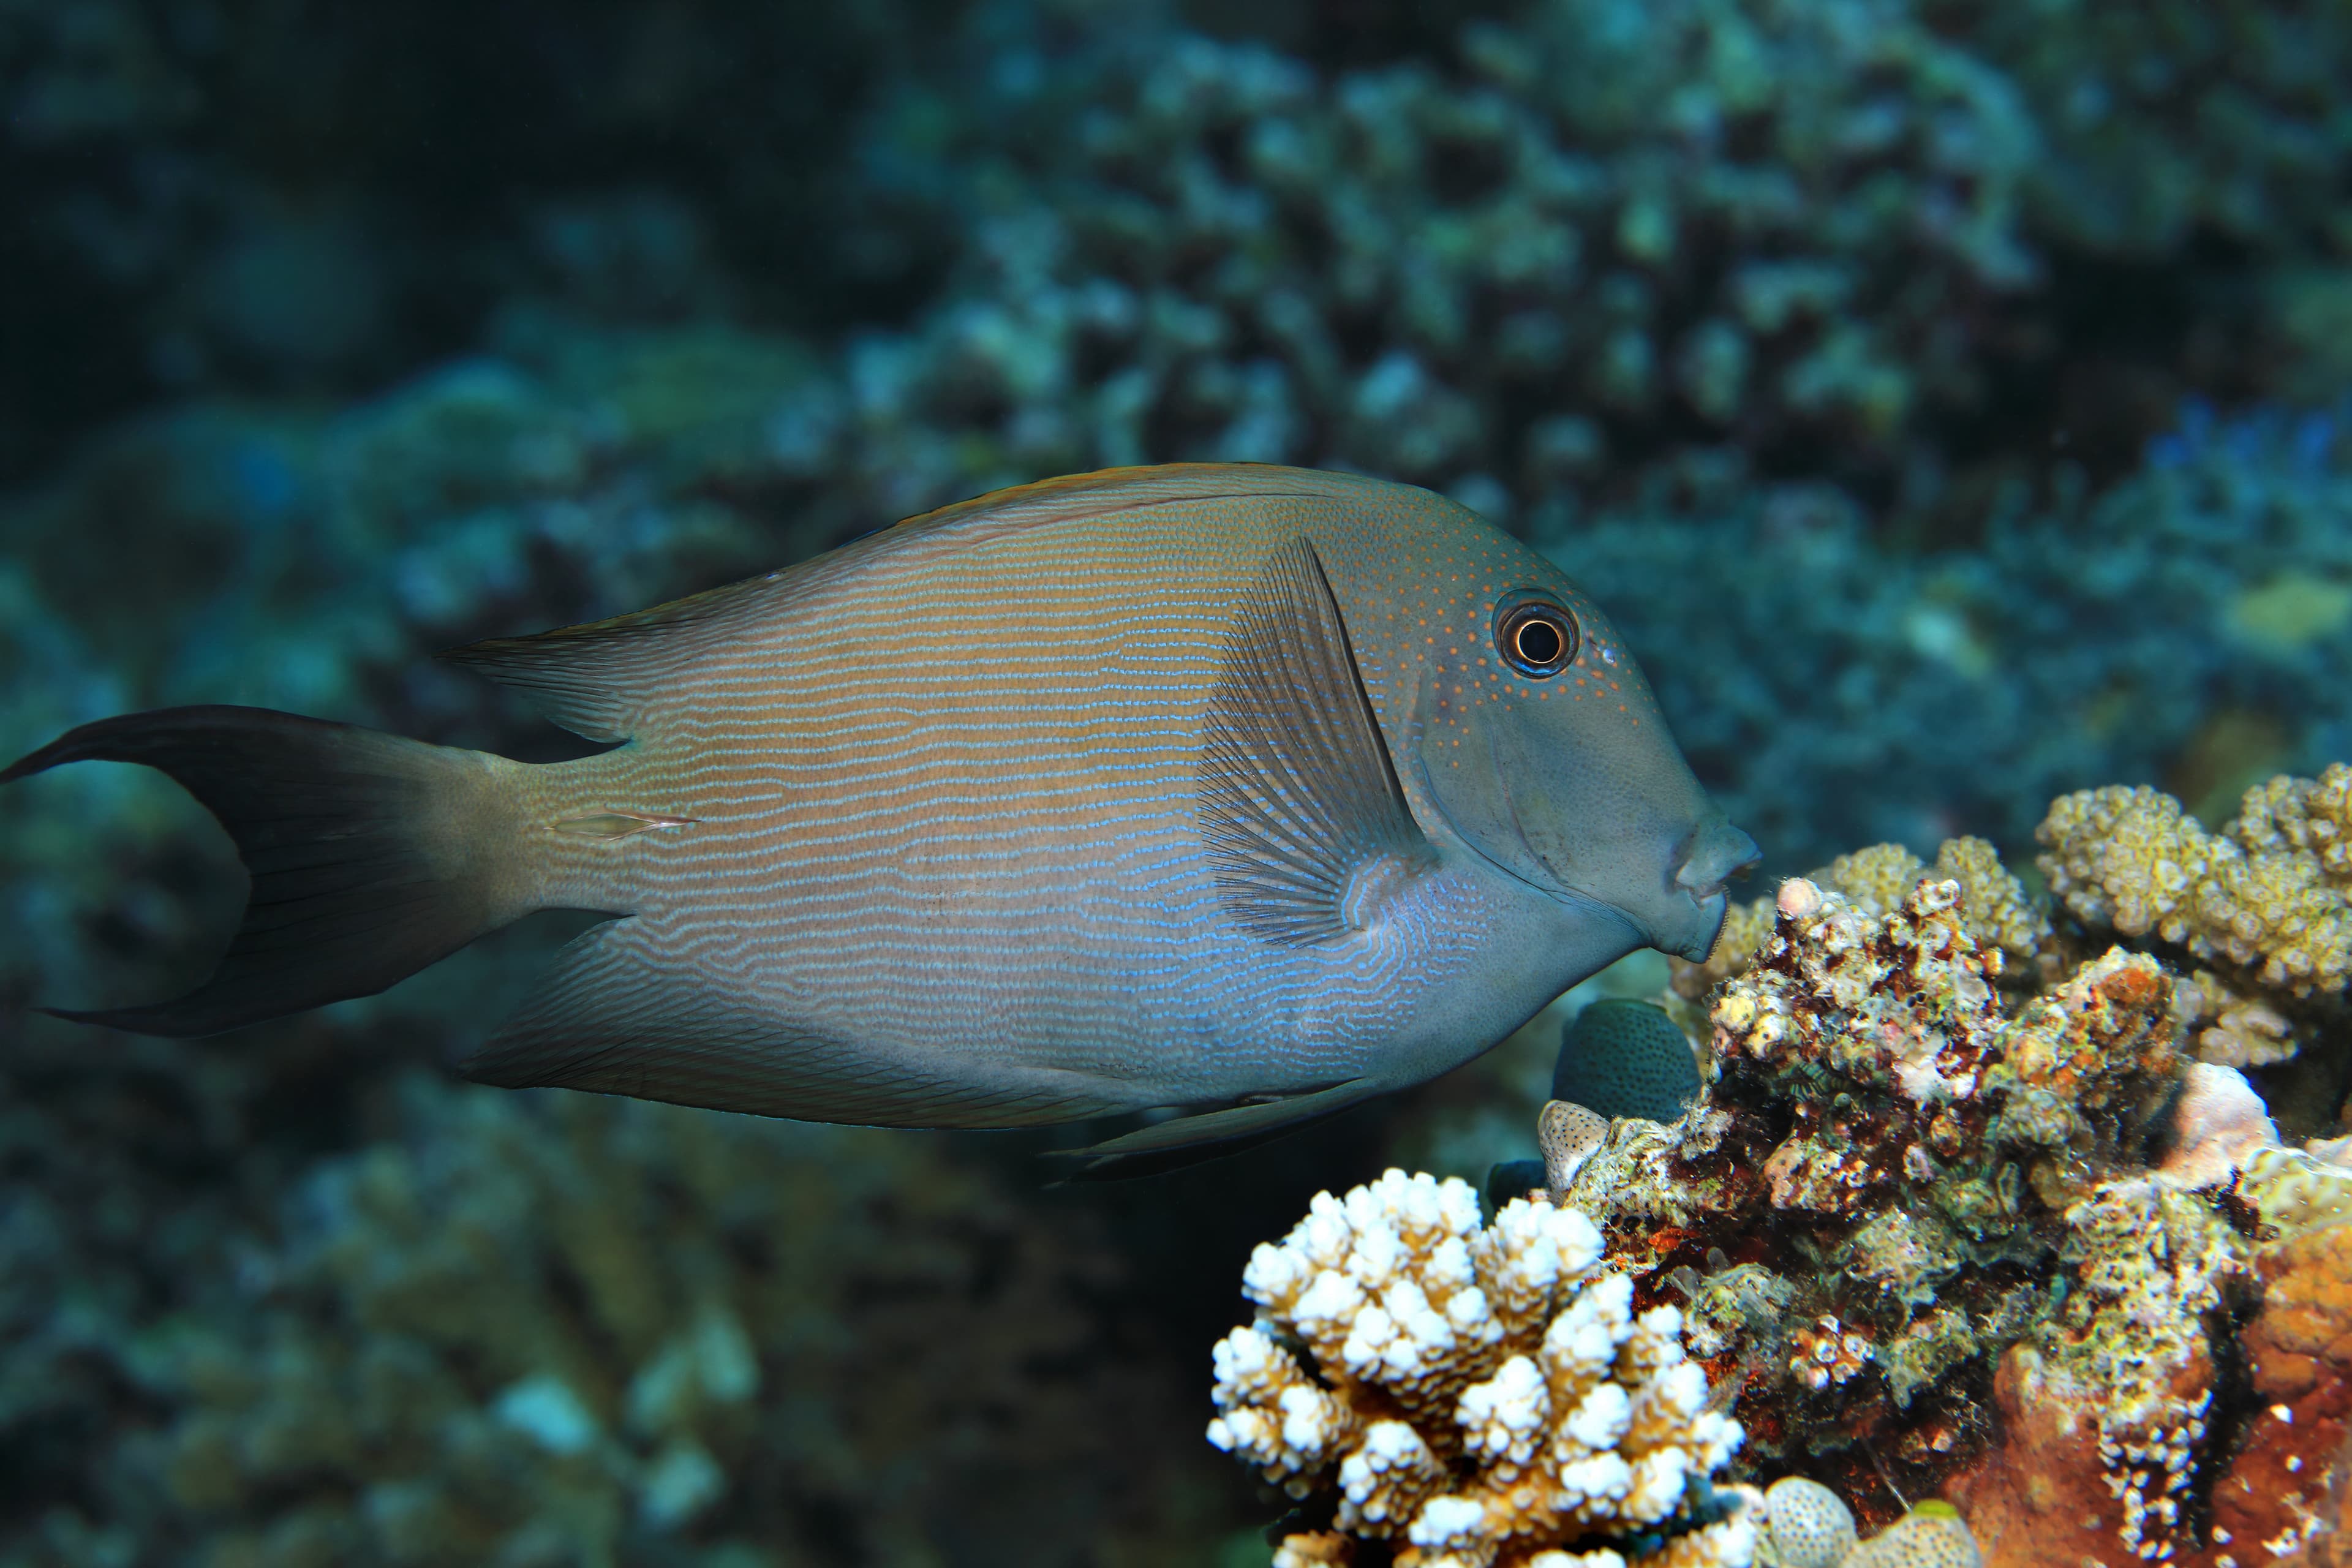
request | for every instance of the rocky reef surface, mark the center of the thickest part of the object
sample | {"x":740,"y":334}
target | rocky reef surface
{"x":1977,"y":1206}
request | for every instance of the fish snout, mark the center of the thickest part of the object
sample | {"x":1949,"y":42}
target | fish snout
{"x":1712,"y":856}
{"x":1714,"y":853}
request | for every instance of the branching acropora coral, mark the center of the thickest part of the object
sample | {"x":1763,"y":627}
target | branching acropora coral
{"x":1476,"y":1395}
{"x":2271,"y":894}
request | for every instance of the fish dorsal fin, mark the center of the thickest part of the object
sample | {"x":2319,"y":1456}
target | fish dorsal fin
{"x":1306,"y":824}
{"x":1120,"y":489}
{"x":598,"y":679}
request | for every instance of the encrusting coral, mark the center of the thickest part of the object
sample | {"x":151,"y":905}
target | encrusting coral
{"x":2267,"y":901}
{"x":1465,"y":1395}
{"x":2299,"y":1350}
{"x":2252,"y":1465}
{"x":1622,"y":1058}
{"x":1906,"y":1178}
{"x":2297,"y":1189}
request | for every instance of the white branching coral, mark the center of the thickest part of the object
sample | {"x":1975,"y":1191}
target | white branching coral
{"x":1477,"y":1396}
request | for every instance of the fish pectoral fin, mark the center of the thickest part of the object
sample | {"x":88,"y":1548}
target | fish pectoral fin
{"x":1209,"y":1135}
{"x":1307,"y":828}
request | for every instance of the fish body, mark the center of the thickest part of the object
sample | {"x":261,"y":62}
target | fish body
{"x":1202,"y":786}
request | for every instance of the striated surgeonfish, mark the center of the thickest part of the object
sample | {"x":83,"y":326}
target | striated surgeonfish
{"x":1247,"y":790}
{"x":1621,"y":1057}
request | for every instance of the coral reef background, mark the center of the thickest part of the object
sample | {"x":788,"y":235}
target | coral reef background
{"x":1949,"y":402}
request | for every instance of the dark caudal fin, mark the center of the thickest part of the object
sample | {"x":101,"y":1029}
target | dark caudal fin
{"x":370,"y":856}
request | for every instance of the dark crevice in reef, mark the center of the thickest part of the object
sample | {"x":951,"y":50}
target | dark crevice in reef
{"x":2229,"y":1421}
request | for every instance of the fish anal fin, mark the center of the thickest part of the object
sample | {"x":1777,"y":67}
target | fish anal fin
{"x":1209,"y":1135}
{"x":612,"y":1015}
{"x":1307,"y":826}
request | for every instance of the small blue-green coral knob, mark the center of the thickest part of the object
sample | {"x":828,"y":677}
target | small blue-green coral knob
{"x":1625,"y":1059}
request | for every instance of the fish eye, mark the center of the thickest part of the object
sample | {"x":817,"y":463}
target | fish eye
{"x":1536,"y":637}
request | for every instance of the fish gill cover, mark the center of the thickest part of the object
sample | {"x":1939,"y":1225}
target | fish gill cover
{"x":1949,"y":403}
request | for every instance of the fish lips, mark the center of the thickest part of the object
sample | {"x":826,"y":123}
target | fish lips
{"x":1696,"y":901}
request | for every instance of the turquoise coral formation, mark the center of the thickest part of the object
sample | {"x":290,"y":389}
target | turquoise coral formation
{"x":1858,"y":692}
{"x":1582,"y":240}
{"x":1623,"y":1058}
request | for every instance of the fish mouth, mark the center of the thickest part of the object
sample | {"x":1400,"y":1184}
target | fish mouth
{"x":1680,"y":913}
{"x":1713,"y":909}
{"x":1706,"y":861}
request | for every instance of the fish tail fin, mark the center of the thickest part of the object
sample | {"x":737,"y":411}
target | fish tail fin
{"x":370,"y":856}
